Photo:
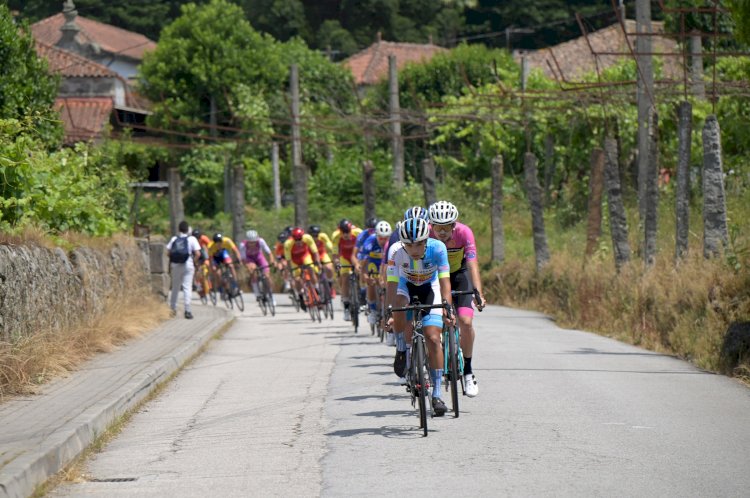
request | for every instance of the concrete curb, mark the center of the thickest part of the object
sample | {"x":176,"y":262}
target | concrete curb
{"x":24,"y":474}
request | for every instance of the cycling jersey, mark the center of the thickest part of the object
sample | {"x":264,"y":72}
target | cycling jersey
{"x":362,"y":237}
{"x":300,"y":253}
{"x":461,"y":247}
{"x":344,"y":245}
{"x":325,"y":246}
{"x":371,"y":252}
{"x":252,"y":252}
{"x":226,"y":244}
{"x":278,"y":250}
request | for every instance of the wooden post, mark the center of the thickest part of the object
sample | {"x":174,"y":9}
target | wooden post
{"x":368,"y":188}
{"x":549,"y":166}
{"x":682,"y":198}
{"x":397,"y":142}
{"x":596,"y":186}
{"x":176,"y":208}
{"x":652,"y":191}
{"x":715,"y":232}
{"x":644,"y":94}
{"x":534,"y":193}
{"x":696,"y":66}
{"x":498,"y":234}
{"x":299,"y":169}
{"x":276,"y":176}
{"x":428,"y":180}
{"x":238,"y":202}
{"x":618,"y":222}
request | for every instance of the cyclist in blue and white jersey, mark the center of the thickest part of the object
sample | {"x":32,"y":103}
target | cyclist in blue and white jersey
{"x":371,"y":257}
{"x":419,"y":266}
{"x":365,"y":234}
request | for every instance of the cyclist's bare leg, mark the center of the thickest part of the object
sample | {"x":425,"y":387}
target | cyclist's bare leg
{"x":466,"y":326}
{"x":328,"y":270}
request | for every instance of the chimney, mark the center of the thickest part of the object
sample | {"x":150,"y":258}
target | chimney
{"x":70,"y":29}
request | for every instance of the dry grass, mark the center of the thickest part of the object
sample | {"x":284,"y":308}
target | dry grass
{"x":682,"y":310}
{"x":33,"y":361}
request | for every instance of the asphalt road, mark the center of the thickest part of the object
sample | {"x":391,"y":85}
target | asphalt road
{"x":284,"y":407}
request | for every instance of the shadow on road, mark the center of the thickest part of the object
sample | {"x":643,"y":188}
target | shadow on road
{"x":597,"y":351}
{"x":371,"y":396}
{"x":401,"y":432}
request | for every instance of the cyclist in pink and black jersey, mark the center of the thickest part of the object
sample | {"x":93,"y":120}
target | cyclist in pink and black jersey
{"x":464,"y":274}
{"x":251,"y":250}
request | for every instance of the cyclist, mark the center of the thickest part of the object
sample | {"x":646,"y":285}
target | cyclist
{"x":371,"y":255}
{"x":219,"y":254}
{"x":252,"y":249}
{"x":361,"y":238}
{"x":419,"y":267}
{"x":343,"y":241}
{"x":300,"y":249}
{"x":390,"y":292}
{"x":204,"y":242}
{"x":325,"y":248}
{"x":282,"y":265}
{"x":464,"y":273}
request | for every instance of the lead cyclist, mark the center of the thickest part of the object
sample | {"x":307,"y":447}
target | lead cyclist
{"x":464,"y":274}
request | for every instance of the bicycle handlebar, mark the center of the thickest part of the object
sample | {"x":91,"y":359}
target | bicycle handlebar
{"x":475,"y":292}
{"x":422,"y":307}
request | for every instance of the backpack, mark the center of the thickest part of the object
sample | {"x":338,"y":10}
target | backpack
{"x":180,"y":251}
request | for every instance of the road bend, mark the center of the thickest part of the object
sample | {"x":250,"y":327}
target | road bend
{"x":282,"y":406}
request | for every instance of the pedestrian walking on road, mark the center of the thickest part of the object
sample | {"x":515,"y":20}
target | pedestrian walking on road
{"x":183,"y":250}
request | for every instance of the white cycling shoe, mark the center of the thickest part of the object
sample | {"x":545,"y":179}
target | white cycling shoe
{"x":471,"y":386}
{"x":390,"y":339}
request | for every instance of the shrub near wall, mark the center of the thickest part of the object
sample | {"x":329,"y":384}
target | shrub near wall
{"x":43,"y":289}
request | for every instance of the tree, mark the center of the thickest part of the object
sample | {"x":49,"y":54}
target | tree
{"x":27,"y":90}
{"x":741,"y":15}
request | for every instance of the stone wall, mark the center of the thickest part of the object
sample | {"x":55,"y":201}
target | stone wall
{"x":45,"y":289}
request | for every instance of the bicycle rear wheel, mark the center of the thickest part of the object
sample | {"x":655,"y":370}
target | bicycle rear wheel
{"x":310,"y":300}
{"x":453,"y":368}
{"x":354,"y":300}
{"x":419,"y":361}
{"x":293,"y":297}
{"x":262,"y":301}
{"x":212,"y":296}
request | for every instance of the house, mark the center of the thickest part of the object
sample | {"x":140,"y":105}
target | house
{"x":570,"y":60}
{"x":370,"y":66}
{"x":97,"y":64}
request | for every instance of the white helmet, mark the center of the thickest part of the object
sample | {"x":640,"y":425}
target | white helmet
{"x":414,"y":230}
{"x":443,"y":213}
{"x":252,"y":236}
{"x":383,"y":229}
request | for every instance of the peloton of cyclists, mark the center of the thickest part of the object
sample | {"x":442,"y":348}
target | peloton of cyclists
{"x":344,"y":239}
{"x":371,"y":256}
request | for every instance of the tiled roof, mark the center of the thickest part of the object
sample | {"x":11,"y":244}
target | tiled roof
{"x":574,"y":57}
{"x":83,"y":118}
{"x":371,"y":64}
{"x":71,"y":65}
{"x":110,"y":38}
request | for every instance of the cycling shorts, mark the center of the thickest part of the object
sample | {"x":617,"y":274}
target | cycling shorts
{"x":324,"y":258}
{"x":426,"y":294}
{"x":345,"y":265}
{"x":222,"y":256}
{"x":258,"y":260}
{"x":373,"y":269}
{"x":460,"y":281}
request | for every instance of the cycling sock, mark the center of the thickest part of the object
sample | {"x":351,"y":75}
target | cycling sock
{"x":436,"y":376}
{"x":467,"y":366}
{"x":400,"y":342}
{"x":256,"y":288}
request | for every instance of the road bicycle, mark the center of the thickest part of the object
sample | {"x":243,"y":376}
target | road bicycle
{"x":453,"y":367}
{"x":206,"y":291}
{"x":354,"y":291}
{"x":230,"y":289}
{"x":418,"y":382}
{"x":326,"y":296}
{"x":310,"y":293}
{"x":379,"y":326}
{"x":265,"y":291}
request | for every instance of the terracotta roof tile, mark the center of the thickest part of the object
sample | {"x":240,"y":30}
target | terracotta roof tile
{"x":83,"y":118}
{"x":574,"y":57}
{"x":110,"y":38}
{"x":71,"y":65}
{"x":371,"y":64}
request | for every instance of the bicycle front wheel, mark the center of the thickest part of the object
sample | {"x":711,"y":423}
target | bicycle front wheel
{"x":421,"y":374}
{"x":453,"y":368}
{"x":269,"y":297}
{"x":262,"y":301}
{"x":354,"y":301}
{"x":239,"y":301}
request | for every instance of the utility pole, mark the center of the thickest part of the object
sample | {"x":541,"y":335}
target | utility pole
{"x":276,"y":178}
{"x":299,"y":169}
{"x":396,"y":140}
{"x":696,"y":65}
{"x":644,"y":95}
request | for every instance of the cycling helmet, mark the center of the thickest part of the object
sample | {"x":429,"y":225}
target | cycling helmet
{"x":252,"y":236}
{"x":218,"y":238}
{"x":196,"y":233}
{"x":283,"y":235}
{"x":383,"y":229}
{"x":416,"y":212}
{"x":443,"y":213}
{"x":297,"y":233}
{"x":414,"y":230}
{"x":345,"y":226}
{"x":371,"y":222}
{"x":314,"y":230}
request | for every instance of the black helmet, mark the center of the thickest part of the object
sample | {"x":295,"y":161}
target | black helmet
{"x":314,"y":230}
{"x":196,"y":233}
{"x":283,"y":235}
{"x":218,"y":237}
{"x":371,"y":222}
{"x":345,"y":226}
